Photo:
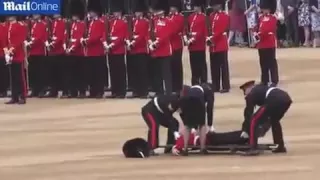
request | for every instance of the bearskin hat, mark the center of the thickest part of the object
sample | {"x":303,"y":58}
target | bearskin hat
{"x":139,"y":6}
{"x":136,"y":148}
{"x":117,"y":5}
{"x":269,"y":4}
{"x":176,"y":3}
{"x":77,"y":8}
{"x":161,"y":5}
{"x":199,"y":3}
{"x":95,"y":6}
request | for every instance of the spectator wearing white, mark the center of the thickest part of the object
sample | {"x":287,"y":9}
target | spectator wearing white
{"x":252,"y":19}
{"x":315,"y":21}
{"x":304,"y":20}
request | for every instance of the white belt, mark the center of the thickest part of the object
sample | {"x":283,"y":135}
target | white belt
{"x":195,"y":140}
{"x":198,"y":87}
{"x":155,"y":101}
{"x":269,"y":90}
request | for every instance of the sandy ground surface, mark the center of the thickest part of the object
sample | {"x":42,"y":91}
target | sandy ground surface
{"x":81,"y":139}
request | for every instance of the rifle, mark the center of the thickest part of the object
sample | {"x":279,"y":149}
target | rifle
{"x":129,"y":18}
{"x":151,"y":25}
{"x":86,"y":21}
{"x":49,"y":30}
{"x":208,"y":11}
{"x":68,"y":25}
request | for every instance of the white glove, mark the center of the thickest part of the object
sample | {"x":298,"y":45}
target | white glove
{"x":69,"y":50}
{"x":83,"y":40}
{"x":244,"y":135}
{"x":193,"y":131}
{"x":176,"y":135}
{"x":8,"y":59}
{"x":105,"y":45}
{"x":47,"y":44}
{"x":208,"y":39}
{"x":185,"y":39}
{"x":151,"y":47}
{"x":175,"y":151}
{"x":64,"y":46}
{"x":211,"y":129}
{"x":27,"y":43}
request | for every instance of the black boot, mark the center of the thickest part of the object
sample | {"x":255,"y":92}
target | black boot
{"x":280,"y":149}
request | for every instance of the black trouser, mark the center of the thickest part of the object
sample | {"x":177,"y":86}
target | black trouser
{"x":4,"y":77}
{"x":273,"y":111}
{"x":18,"y":81}
{"x":38,"y":73}
{"x":139,"y":74}
{"x":151,"y":73}
{"x":77,"y":75}
{"x":233,"y":137}
{"x":292,"y":28}
{"x":97,"y":67}
{"x":268,"y":64}
{"x":163,"y":75}
{"x":154,"y":119}
{"x":118,"y":74}
{"x":220,"y":70}
{"x":177,"y":71}
{"x":58,"y":70}
{"x":193,"y":112}
{"x":198,"y":66}
{"x":281,"y":31}
{"x":130,"y":71}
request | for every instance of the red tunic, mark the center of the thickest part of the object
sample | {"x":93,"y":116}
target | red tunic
{"x":177,"y":22}
{"x":197,"y":31}
{"x":96,"y":32}
{"x":162,"y":31}
{"x":17,"y":34}
{"x":140,"y":34}
{"x":179,"y":145}
{"x":267,"y":31}
{"x":3,"y":38}
{"x":118,"y":35}
{"x":58,"y":37}
{"x":76,"y":33}
{"x":38,"y":38}
{"x":219,"y":26}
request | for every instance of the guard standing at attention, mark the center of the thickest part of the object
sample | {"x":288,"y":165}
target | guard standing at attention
{"x":56,"y":56}
{"x":15,"y":57}
{"x":177,"y":21}
{"x":37,"y":56}
{"x":195,"y":39}
{"x":219,"y":47}
{"x":95,"y":52}
{"x":266,"y":38}
{"x":161,"y":49}
{"x":138,"y":50}
{"x":75,"y":51}
{"x":4,"y":73}
{"x":116,"y":48}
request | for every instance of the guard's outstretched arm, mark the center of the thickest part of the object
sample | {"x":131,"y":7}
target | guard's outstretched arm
{"x":248,"y":111}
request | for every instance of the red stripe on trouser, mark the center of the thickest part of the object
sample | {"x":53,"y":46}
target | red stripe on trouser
{"x":153,"y":130}
{"x":253,"y":124}
{"x":23,"y":80}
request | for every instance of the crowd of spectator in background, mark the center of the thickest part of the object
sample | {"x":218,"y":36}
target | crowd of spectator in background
{"x":298,"y":25}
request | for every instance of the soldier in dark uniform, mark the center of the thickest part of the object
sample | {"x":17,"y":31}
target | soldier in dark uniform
{"x":197,"y":101}
{"x":159,"y":111}
{"x":273,"y":103}
{"x":266,"y":37}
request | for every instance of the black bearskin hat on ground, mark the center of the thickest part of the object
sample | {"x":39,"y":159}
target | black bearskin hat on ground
{"x":136,"y":148}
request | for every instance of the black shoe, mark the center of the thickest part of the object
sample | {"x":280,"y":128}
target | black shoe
{"x":152,"y":153}
{"x":252,"y":152}
{"x":82,"y":96}
{"x":280,"y":150}
{"x":224,"y":90}
{"x":99,"y":96}
{"x":204,"y":151}
{"x":121,"y":97}
{"x":42,"y":94}
{"x":33,"y":94}
{"x":144,"y":97}
{"x":113,"y":96}
{"x":273,"y":85}
{"x":185,"y":152}
{"x":12,"y":101}
{"x":52,"y":95}
{"x":167,"y":150}
{"x":22,"y":101}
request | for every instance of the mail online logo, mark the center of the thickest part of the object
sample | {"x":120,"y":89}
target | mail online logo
{"x":28,"y":7}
